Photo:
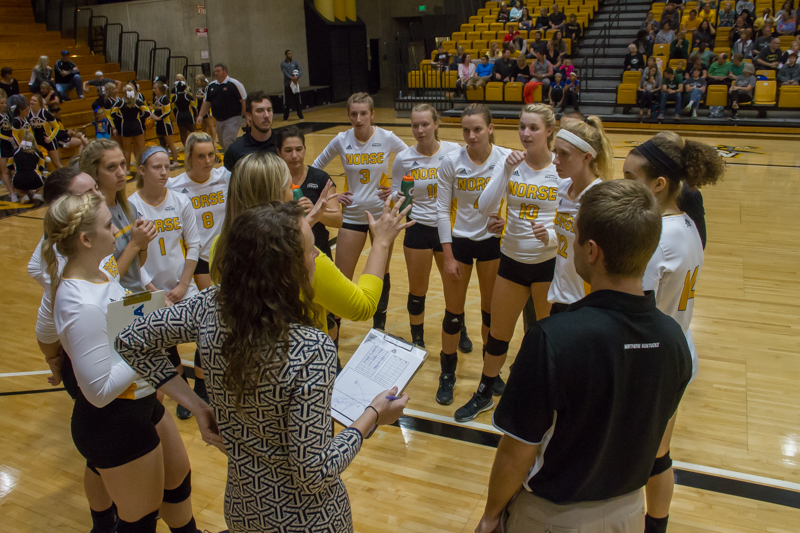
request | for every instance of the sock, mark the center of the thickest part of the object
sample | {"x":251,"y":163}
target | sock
{"x":200,"y":387}
{"x":449,"y":362}
{"x":655,"y":525}
{"x":485,"y":388}
{"x":104,"y":521}
{"x":383,"y":303}
{"x":190,"y":527}
{"x":483,"y":355}
{"x":417,"y":331}
{"x":146,"y":523}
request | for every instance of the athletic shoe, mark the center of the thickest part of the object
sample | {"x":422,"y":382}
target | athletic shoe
{"x":81,"y":97}
{"x":473,"y":408}
{"x":174,"y":165}
{"x":444,"y":395}
{"x":183,"y":413}
{"x":689,"y":106}
{"x":735,"y":117}
{"x":285,"y":118}
{"x":379,"y":321}
{"x":735,"y":106}
{"x":464,"y":344}
{"x":499,"y":386}
{"x":661,"y":116}
{"x":694,"y":113}
{"x":420,"y":341}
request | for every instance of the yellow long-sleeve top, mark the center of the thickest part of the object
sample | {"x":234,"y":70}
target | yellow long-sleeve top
{"x":336,"y":294}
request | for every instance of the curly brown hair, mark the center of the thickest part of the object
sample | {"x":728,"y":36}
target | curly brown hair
{"x":265,"y":288}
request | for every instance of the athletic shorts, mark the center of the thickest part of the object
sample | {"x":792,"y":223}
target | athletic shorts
{"x":526,"y":274}
{"x":40,"y":137}
{"x":202,"y":267}
{"x":466,"y":250}
{"x":6,"y":149}
{"x":422,"y":237}
{"x":163,"y":128}
{"x":27,"y":181}
{"x":118,"y":433}
{"x":363,"y":228}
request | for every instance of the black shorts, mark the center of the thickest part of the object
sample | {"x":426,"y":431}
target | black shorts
{"x":163,"y":128}
{"x":421,"y":237}
{"x":466,"y":250}
{"x":363,"y":228}
{"x":28,"y":180}
{"x":6,"y":149}
{"x":526,"y":274}
{"x":118,"y":433}
{"x":202,"y":267}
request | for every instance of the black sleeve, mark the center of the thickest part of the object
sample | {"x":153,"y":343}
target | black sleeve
{"x":230,"y":158}
{"x":526,"y":408}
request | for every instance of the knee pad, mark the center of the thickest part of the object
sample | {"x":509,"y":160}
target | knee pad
{"x":452,"y":323}
{"x":661,"y":465}
{"x":181,"y":492}
{"x":197,"y":361}
{"x":496,"y":347}
{"x":146,"y":524}
{"x":416,"y":305}
{"x":331,"y":321}
{"x":486,"y":318}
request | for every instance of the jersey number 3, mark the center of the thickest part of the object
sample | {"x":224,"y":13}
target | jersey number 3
{"x":364,"y":175}
{"x":688,"y":289}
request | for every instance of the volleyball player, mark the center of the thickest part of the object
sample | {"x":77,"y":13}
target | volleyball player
{"x":463,"y":175}
{"x":584,"y":158}
{"x":111,"y":105}
{"x":528,"y":182}
{"x":206,"y":188}
{"x":421,"y":243}
{"x":664,"y":164}
{"x":6,"y":146}
{"x":209,"y":126}
{"x":118,"y":425}
{"x":162,"y":114}
{"x":45,"y":127}
{"x":364,"y":150}
{"x":185,"y":110}
{"x":131,"y":108}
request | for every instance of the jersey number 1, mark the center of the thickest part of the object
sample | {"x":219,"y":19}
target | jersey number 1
{"x":161,"y":246}
{"x":688,"y":289}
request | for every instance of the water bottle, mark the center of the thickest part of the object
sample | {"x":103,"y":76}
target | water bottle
{"x":407,"y":188}
{"x":297,"y":192}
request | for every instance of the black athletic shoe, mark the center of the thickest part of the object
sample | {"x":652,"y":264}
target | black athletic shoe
{"x":444,"y":395}
{"x":183,"y":413}
{"x":498,"y":386}
{"x":112,"y":530}
{"x":464,"y":344}
{"x":285,"y":118}
{"x":379,"y":321}
{"x":473,"y":408}
{"x":419,"y":342}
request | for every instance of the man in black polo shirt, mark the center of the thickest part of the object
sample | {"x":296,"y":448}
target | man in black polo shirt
{"x":67,"y":77}
{"x":770,"y":57}
{"x":592,"y":389}
{"x":260,"y":138}
{"x":502,"y":67}
{"x":225,"y":96}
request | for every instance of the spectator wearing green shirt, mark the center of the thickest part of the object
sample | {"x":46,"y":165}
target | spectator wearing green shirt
{"x":719,"y":71}
{"x":679,"y":48}
{"x":737,"y":66}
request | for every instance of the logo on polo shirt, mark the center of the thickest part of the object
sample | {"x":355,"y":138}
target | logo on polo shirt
{"x":551,"y":177}
{"x":463,"y":171}
{"x":491,"y":167}
{"x":641,"y":346}
{"x":169,"y":208}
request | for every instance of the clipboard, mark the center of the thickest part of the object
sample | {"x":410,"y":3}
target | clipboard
{"x":381,"y":362}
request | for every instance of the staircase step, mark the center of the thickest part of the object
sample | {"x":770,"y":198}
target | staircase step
{"x":592,"y":96}
{"x":625,"y":15}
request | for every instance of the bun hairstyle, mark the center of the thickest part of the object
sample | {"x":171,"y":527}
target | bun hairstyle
{"x":548,"y":117}
{"x":58,"y":183}
{"x":591,"y":131}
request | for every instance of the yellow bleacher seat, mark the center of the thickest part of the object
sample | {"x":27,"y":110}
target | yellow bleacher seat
{"x":473,"y":52}
{"x":480,"y":44}
{"x":690,"y":6}
{"x":433,"y":78}
{"x":466,"y":28}
{"x":482,"y":52}
{"x":676,"y":63}
{"x":513,"y":25}
{"x":626,"y":94}
{"x":494,"y":91}
{"x":449,"y":46}
{"x":569,"y":10}
{"x":790,"y":96}
{"x":483,"y":12}
{"x":722,"y":50}
{"x":583,"y":20}
{"x":513,"y":92}
{"x":660,"y":50}
{"x":516,"y":54}
{"x":475,"y":94}
{"x":498,"y":41}
{"x":537,"y":93}
{"x":465,"y":44}
{"x":489,"y":19}
{"x":568,"y":42}
{"x":769,"y":74}
{"x":497,"y":26}
{"x":631,"y":76}
{"x":481,"y":27}
{"x":549,"y":34}
{"x":475,"y":19}
{"x":765,"y":93}
{"x":473,"y":36}
{"x":786,"y":41}
{"x":488,"y":35}
{"x":450,"y":78}
{"x":523,"y":34}
{"x":717,"y":95}
{"x":747,"y":61}
{"x":458,"y":36}
{"x":494,"y":11}
{"x":492,"y":5}
{"x":433,"y":54}
{"x":415,"y":79}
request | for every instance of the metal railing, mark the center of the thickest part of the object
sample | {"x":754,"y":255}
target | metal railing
{"x":586,"y":67}
{"x":113,"y":42}
{"x":144,"y":49}
{"x":159,"y":62}
{"x":176,"y":65}
{"x":128,"y":51}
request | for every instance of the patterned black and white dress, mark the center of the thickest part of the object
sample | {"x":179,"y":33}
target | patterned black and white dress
{"x":283,"y":463}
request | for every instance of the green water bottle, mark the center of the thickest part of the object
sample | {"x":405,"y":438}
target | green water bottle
{"x":407,"y":188}
{"x":297,"y":192}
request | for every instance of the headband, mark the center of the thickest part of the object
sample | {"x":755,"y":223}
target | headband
{"x":576,"y":141}
{"x":150,"y":151}
{"x":665,"y":165}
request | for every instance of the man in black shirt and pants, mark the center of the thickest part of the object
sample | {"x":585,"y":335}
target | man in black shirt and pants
{"x":225,"y":96}
{"x":291,"y":71}
{"x":260,"y":138}
{"x":592,"y":390}
{"x":67,"y":77}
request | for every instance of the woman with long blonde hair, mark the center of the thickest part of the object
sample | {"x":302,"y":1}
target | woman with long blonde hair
{"x":42,"y":72}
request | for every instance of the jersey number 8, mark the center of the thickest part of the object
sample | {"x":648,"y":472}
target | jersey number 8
{"x":208,"y":220}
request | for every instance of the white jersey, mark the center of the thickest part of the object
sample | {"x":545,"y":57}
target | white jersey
{"x":461,"y":182}
{"x":366,"y":166}
{"x":208,"y":200}
{"x":177,"y":230}
{"x":673,"y":271}
{"x":567,"y":286}
{"x":425,"y":171}
{"x":531,"y":196}
{"x":79,"y":311}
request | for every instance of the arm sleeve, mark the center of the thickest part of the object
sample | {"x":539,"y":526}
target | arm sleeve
{"x":316,"y":458}
{"x":191,"y":235}
{"x":36,"y":266}
{"x":444,"y":199}
{"x":331,"y":151}
{"x":337,"y":294}
{"x":46,"y":332}
{"x":396,"y":144}
{"x":397,"y":177}
{"x":495,"y":191}
{"x":101,"y":376}
{"x":242,"y":91}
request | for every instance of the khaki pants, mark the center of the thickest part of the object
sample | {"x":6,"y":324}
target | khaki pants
{"x":530,"y":514}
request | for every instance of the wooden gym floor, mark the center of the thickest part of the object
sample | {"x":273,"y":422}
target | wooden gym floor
{"x":736,"y":444}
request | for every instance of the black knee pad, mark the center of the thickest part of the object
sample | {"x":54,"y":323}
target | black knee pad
{"x":416,"y":305}
{"x":197,"y":361}
{"x":383,"y":303}
{"x":486,"y":318}
{"x":331,"y":321}
{"x":496,"y":347}
{"x":181,"y":492}
{"x":452,"y":323}
{"x":661,"y":465}
{"x":146,"y":524}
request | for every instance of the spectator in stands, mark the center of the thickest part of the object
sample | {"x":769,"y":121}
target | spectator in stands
{"x":642,"y":44}
{"x":737,"y":66}
{"x":515,"y":13}
{"x":651,"y":62}
{"x":542,"y":71}
{"x":764,"y":20}
{"x":495,"y":53}
{"x":556,"y":93}
{"x":260,"y":138}
{"x":769,"y":57}
{"x":102,"y":126}
{"x":520,"y":44}
{"x":466,"y":74}
{"x":696,"y":60}
{"x":679,"y":71}
{"x":704,"y":55}
{"x":503,"y":67}
{"x":456,"y":58}
{"x":789,"y":74}
{"x":201,"y":87}
{"x":225,"y":97}
{"x":41,"y":72}
{"x":538,"y":45}
{"x":719,"y":71}
{"x":543,"y":20}
{"x":794,"y":49}
{"x":68,"y":77}
{"x":572,"y":92}
{"x":573,"y":31}
{"x":556,"y":18}
{"x":552,"y":55}
{"x":745,"y":6}
{"x":483,"y":71}
{"x":705,"y":34}
{"x":99,"y":82}
{"x":762,"y":42}
{"x":705,"y":13}
{"x":66,"y":138}
{"x":666,"y":35}
{"x":8,"y":83}
{"x":786,"y":11}
{"x":727,"y":16}
{"x":679,"y":47}
{"x":695,"y":87}
{"x":786,"y":26}
{"x":649,"y":89}
{"x":520,"y":71}
{"x":525,"y":21}
{"x":566,"y":68}
{"x":742,"y":89}
{"x":744,"y":45}
{"x":738,"y":28}
{"x":692,"y":22}
{"x":49,"y":95}
{"x":671,"y":91}
{"x":291,"y":71}
{"x":650,"y":18}
{"x":442,"y":58}
{"x":509,"y":36}
{"x":672,"y":16}
{"x":634,"y":60}
{"x":559,"y":44}
{"x":503,"y":15}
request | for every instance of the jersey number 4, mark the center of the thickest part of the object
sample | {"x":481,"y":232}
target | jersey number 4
{"x":688,"y":289}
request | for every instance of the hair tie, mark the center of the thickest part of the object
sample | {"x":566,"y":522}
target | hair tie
{"x":150,"y":151}
{"x":130,"y":94}
{"x":26,"y":144}
{"x":665,"y":165}
{"x":576,"y":141}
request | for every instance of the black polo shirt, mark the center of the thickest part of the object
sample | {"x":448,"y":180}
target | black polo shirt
{"x":595,"y":386}
{"x":247,"y":145}
{"x":315,"y":181}
{"x":63,"y":65}
{"x":225,"y":98}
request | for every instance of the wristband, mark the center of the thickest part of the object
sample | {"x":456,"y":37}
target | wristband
{"x":377,"y":416}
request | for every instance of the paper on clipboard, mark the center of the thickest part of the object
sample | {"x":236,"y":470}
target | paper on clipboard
{"x":380,"y":363}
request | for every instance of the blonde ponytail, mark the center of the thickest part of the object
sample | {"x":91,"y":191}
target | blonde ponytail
{"x":593,"y":133}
